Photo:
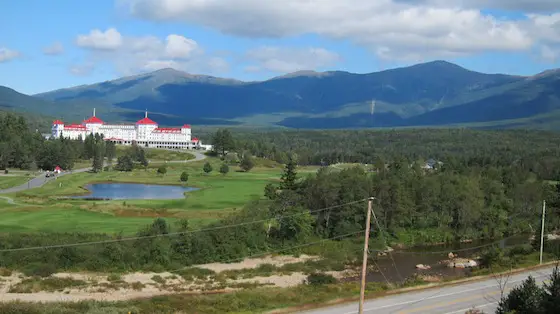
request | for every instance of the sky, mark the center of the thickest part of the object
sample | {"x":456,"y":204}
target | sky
{"x":47,"y":45}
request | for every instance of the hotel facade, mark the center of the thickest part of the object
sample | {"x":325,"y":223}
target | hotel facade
{"x":145,"y":132}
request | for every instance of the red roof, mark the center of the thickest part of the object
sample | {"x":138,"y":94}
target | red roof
{"x":93,"y":120}
{"x":186,"y":126}
{"x":74,"y":127}
{"x":195,"y":139}
{"x":167,"y":130}
{"x":58,"y":122}
{"x":146,"y":121}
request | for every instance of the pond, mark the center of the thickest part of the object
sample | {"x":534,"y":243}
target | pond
{"x":128,"y":191}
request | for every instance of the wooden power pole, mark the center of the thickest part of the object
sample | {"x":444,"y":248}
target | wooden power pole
{"x":364,"y":262}
{"x":542,"y":230}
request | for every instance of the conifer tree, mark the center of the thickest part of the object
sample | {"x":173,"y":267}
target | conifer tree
{"x":289,"y":176}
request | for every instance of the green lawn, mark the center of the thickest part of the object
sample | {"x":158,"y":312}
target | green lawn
{"x":155,"y":154}
{"x":14,"y":178}
{"x":219,"y":196}
{"x":67,"y":220}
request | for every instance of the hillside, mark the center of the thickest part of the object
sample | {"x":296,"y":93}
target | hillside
{"x":435,"y":93}
{"x":27,"y":106}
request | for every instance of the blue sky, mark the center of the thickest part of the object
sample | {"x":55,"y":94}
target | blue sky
{"x":255,"y":40}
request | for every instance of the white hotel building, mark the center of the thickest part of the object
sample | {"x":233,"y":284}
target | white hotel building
{"x":145,"y":133}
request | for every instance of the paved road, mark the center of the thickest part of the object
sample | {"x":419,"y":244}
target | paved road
{"x":41,"y":180}
{"x":483,"y":295}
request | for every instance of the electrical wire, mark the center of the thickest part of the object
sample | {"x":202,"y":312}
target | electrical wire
{"x":172,"y":233}
{"x":261,"y":254}
{"x":386,"y":244}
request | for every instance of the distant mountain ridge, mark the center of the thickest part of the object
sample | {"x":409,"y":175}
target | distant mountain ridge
{"x":436,"y":93}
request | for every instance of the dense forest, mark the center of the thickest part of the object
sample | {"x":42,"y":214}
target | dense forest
{"x":536,"y":150}
{"x":482,"y":185}
{"x":23,"y":148}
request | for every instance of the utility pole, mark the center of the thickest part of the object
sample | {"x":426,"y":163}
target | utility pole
{"x":364,"y":262}
{"x":542,"y":229}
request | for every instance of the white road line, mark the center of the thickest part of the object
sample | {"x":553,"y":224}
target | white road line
{"x":441,"y":295}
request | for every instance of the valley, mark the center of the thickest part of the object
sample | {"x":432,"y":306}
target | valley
{"x":279,"y":217}
{"x":402,"y":97}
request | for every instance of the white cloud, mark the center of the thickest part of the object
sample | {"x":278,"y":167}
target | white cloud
{"x":8,"y":54}
{"x":55,"y":49}
{"x":284,"y":60}
{"x":547,"y":28}
{"x":549,"y":54}
{"x":110,"y":39}
{"x":133,"y":55}
{"x":433,"y":28}
{"x":179,"y":47}
{"x":513,"y":5}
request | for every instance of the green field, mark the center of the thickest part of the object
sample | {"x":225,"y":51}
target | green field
{"x":155,"y":154}
{"x":14,"y":178}
{"x":48,"y":209}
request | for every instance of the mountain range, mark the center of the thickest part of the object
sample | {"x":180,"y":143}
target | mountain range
{"x":436,"y":93}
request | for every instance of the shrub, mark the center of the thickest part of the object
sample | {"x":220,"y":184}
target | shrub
{"x":38,"y":269}
{"x":4,"y":272}
{"x":114,"y":277}
{"x":317,"y":279}
{"x":158,"y":279}
{"x":162,"y":170}
{"x":207,"y":167}
{"x":193,"y":273}
{"x":224,"y":169}
{"x":247,"y":163}
{"x":184,"y":176}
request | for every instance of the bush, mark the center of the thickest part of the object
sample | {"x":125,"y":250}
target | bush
{"x":247,"y":163}
{"x":193,"y":273}
{"x":491,"y":257}
{"x":162,"y":170}
{"x":317,"y":279}
{"x":4,"y":272}
{"x":224,"y":169}
{"x":114,"y":277}
{"x":38,"y":269}
{"x":5,"y":171}
{"x":207,"y":167}
{"x":184,"y":176}
{"x":158,"y":279}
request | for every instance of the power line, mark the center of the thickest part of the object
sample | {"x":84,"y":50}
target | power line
{"x":173,"y":233}
{"x":286,"y":249}
{"x":457,"y":250}
{"x":386,"y":244}
{"x":266,"y":252}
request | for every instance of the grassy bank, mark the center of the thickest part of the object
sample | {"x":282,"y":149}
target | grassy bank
{"x":255,"y":300}
{"x":14,"y":178}
{"x":155,"y":154}
{"x":219,"y":196}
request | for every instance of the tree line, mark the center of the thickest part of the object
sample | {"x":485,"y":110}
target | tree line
{"x":25,"y":149}
{"x":488,"y":185}
{"x":413,"y":205}
{"x":537,"y":151}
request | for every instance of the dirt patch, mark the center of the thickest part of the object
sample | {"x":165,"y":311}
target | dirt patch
{"x":113,"y":287}
{"x":278,"y":261}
